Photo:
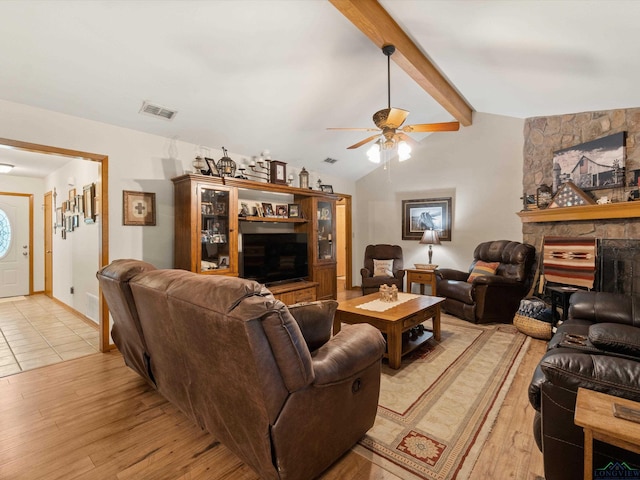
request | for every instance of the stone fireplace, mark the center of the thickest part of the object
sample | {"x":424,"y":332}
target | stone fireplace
{"x":545,"y":135}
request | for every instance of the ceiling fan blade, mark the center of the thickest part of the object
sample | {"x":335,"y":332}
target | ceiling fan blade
{"x":366,"y":140}
{"x":408,"y":139}
{"x":355,"y":129}
{"x":396,"y":117}
{"x":432,"y":127}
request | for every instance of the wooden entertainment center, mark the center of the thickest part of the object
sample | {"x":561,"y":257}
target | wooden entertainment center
{"x":208,"y":224}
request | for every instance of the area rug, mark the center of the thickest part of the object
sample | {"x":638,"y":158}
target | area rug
{"x":436,"y":411}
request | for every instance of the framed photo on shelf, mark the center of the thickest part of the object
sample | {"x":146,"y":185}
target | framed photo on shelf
{"x":138,"y":208}
{"x":223,"y":261}
{"x":326,"y":188}
{"x":294,"y":210}
{"x":282,"y":211}
{"x":426,"y":214}
{"x":268,"y":209}
{"x":259,"y":210}
{"x":244,"y":210}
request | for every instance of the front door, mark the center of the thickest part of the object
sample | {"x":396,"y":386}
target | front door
{"x":14,"y":245}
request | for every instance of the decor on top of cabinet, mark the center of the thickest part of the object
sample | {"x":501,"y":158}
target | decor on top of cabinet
{"x":226,"y":166}
{"x":569,"y":195}
{"x":198,"y":165}
{"x":211,"y":169}
{"x":278,"y":172}
{"x":326,"y":188}
{"x":138,"y":208}
{"x":304,"y":178}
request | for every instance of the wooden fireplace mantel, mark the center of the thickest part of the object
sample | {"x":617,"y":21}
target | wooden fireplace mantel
{"x":582,"y":212}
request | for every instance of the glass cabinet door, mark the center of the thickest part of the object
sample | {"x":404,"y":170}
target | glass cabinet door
{"x":214,"y":229}
{"x":325,"y":231}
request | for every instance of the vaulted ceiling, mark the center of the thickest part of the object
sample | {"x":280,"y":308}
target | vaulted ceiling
{"x":252,"y":75}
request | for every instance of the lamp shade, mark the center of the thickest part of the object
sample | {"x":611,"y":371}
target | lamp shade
{"x":430,"y":237}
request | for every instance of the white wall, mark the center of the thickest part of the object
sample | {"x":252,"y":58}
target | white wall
{"x":479,"y":166}
{"x":76,"y":257}
{"x":137,"y":161}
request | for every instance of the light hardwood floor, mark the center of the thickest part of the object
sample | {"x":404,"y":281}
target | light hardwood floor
{"x":93,"y":418}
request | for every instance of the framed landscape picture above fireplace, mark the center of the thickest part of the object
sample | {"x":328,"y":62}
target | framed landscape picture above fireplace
{"x":591,"y":165}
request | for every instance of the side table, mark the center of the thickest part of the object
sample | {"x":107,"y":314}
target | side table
{"x":594,"y":413}
{"x":560,"y":297}
{"x":423,"y":277}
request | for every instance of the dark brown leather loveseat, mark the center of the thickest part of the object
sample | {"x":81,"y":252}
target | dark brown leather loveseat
{"x":597,"y":348}
{"x":266,"y":380}
{"x":489,"y":298}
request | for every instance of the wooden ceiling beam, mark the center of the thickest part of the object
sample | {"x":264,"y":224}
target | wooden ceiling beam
{"x":376,"y":23}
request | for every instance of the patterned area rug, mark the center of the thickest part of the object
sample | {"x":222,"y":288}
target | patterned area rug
{"x":436,"y":411}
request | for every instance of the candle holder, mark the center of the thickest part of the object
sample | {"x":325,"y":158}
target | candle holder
{"x":260,"y":167}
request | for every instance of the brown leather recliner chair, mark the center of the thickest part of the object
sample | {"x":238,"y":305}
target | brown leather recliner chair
{"x":489,"y":298}
{"x":602,"y":353}
{"x":268,"y":381}
{"x":370,"y":281}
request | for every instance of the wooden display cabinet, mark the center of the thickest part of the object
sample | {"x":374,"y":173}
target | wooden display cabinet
{"x":207,"y":227}
{"x":321,"y":229}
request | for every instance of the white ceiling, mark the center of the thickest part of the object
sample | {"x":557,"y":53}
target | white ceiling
{"x":252,"y":75}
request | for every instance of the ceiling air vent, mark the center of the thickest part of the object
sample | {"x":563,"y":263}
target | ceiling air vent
{"x":157,"y":111}
{"x":330,"y":160}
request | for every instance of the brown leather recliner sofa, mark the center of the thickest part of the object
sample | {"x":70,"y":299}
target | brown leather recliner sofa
{"x":597,"y":348}
{"x":266,"y":380}
{"x":370,"y":281}
{"x":489,"y":298}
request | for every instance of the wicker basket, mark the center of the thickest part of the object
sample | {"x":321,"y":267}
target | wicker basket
{"x":533,"y":327}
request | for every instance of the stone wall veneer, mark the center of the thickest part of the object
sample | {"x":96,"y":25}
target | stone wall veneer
{"x":545,"y":135}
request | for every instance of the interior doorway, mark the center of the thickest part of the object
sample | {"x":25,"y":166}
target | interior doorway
{"x":102,"y":212}
{"x":344,"y":242}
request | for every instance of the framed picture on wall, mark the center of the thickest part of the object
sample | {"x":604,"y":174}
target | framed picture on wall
{"x":426,"y":214}
{"x":88,"y":203}
{"x":138,"y":208}
{"x":59,"y":217}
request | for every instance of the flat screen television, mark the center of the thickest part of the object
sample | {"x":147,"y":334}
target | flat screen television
{"x":272,"y":258}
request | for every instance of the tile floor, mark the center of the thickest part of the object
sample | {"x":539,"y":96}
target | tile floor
{"x":36,"y":331}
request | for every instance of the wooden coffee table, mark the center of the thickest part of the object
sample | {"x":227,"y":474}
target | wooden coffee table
{"x":394,"y":321}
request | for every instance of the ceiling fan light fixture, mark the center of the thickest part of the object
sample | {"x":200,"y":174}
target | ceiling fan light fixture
{"x":5,"y":167}
{"x":404,"y":151}
{"x":374,"y":153}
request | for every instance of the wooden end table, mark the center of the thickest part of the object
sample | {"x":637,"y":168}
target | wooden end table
{"x":423,"y":277}
{"x":394,"y":321}
{"x":594,"y":413}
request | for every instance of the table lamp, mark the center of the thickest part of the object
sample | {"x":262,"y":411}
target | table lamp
{"x":430,"y":237}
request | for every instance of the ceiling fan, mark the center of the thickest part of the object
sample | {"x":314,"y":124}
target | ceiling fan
{"x":390,"y":132}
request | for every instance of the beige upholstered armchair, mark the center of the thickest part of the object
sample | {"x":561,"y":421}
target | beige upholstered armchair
{"x":383,"y":264}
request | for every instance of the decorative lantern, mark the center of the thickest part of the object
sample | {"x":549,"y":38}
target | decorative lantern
{"x":198,"y":164}
{"x":304,"y":178}
{"x":226,"y":167}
